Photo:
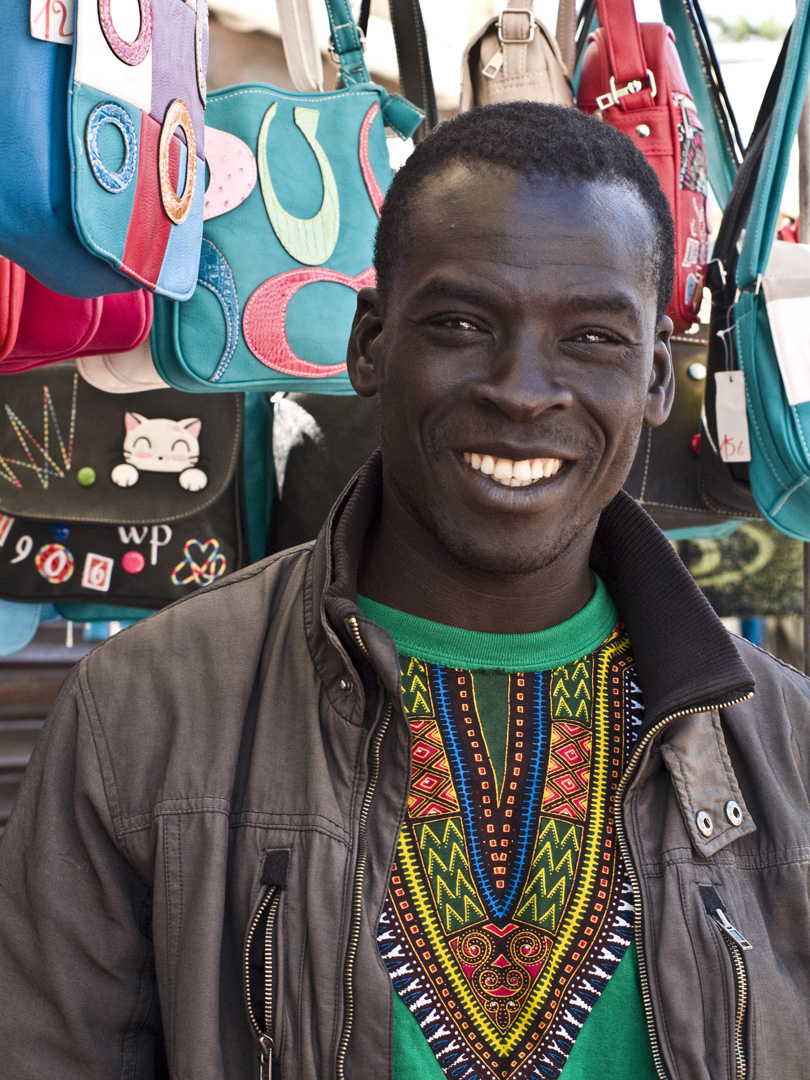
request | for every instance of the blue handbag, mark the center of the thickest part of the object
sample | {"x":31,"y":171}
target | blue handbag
{"x":296,"y":182}
{"x":98,"y":189}
{"x":36,"y":217}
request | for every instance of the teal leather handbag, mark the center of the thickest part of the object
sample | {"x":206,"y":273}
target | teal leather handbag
{"x":291,"y":207}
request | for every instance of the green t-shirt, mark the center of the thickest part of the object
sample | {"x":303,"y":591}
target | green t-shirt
{"x":612,"y":1042}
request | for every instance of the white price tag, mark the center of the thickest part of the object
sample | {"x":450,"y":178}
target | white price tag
{"x":52,"y":20}
{"x":732,"y":419}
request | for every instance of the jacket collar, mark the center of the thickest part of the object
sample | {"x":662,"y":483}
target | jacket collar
{"x":684,"y":656}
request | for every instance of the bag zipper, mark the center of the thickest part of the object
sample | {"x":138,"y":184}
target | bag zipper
{"x":359,"y":874}
{"x":736,"y":944}
{"x":624,"y":847}
{"x":263,"y":1032}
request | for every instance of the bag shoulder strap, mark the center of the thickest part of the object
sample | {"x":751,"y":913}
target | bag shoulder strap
{"x":628,"y":62}
{"x":301,"y":50}
{"x":565,"y":34}
{"x":415,"y":77}
{"x":724,"y":146}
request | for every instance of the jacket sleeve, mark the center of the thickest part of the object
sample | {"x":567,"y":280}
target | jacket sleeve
{"x":76,"y":959}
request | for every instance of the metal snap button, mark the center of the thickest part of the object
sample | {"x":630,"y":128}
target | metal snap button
{"x":733,"y":812}
{"x":642,"y":131}
{"x":345,"y":686}
{"x":704,"y":823}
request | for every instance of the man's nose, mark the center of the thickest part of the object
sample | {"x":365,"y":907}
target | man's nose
{"x":522,"y":382}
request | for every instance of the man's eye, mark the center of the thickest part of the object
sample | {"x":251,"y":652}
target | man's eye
{"x":459,"y":324}
{"x":593,"y":337}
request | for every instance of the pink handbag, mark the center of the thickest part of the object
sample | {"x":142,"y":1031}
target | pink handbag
{"x":52,"y":327}
{"x":12,"y":286}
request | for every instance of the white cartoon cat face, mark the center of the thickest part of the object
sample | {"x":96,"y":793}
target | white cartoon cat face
{"x":161,"y":445}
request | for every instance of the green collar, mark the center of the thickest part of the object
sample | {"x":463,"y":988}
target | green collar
{"x":473,"y":649}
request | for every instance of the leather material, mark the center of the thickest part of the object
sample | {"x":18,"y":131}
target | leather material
{"x":281,"y":259}
{"x":52,"y":327}
{"x":174,"y":66}
{"x":665,"y":477}
{"x":122,"y":372}
{"x":300,"y":43}
{"x":36,"y":224}
{"x":12,"y":289}
{"x":129,"y":220}
{"x":144,"y":538}
{"x":665,"y":128}
{"x":522,"y":62}
{"x":413,"y":60}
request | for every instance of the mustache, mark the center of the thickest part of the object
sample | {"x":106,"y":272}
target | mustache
{"x":545,"y":433}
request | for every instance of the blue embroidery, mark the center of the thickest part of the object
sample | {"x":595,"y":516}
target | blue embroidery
{"x":107,"y":112}
{"x":536,"y":736}
{"x":216,"y":276}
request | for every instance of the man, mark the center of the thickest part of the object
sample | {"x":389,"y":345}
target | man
{"x":546,"y":825}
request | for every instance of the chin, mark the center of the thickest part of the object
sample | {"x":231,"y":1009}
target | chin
{"x":505,"y":558}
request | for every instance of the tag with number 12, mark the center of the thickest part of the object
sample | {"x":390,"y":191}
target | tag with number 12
{"x":52,"y":20}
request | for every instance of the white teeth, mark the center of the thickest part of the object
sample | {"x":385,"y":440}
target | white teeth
{"x":513,"y":473}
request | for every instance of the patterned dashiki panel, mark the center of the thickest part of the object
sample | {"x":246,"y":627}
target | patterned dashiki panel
{"x":508,"y":908}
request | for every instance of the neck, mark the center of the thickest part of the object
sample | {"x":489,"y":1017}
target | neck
{"x":405,"y":567}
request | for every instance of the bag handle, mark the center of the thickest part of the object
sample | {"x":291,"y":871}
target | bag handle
{"x":632,"y":85}
{"x":300,"y":42}
{"x":724,"y":145}
{"x":772,"y":174}
{"x":413,"y":59}
{"x":565,"y":33}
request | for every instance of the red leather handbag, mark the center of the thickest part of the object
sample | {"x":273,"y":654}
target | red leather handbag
{"x":632,"y":76}
{"x":12,"y":286}
{"x":52,"y":327}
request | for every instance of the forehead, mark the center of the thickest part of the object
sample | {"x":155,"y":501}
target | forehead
{"x":537,"y":235}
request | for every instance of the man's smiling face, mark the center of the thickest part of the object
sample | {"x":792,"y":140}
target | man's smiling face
{"x":516,"y":357}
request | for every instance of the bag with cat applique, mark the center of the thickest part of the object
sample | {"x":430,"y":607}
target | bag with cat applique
{"x":132,"y":500}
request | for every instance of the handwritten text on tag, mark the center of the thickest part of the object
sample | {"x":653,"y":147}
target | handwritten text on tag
{"x":732,"y":419}
{"x":52,"y":20}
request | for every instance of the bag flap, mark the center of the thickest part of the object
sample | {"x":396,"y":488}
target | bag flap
{"x":70,"y":452}
{"x":12,"y":288}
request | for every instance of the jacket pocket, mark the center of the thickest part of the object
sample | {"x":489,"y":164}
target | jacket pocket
{"x":736,"y":945}
{"x":260,"y":959}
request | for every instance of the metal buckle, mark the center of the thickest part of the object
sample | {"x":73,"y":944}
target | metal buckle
{"x":518,"y":40}
{"x":635,"y":86}
{"x":333,"y":53}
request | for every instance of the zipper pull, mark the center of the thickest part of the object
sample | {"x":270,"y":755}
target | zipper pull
{"x":494,"y":65}
{"x":265,"y":1058}
{"x":715,"y":910}
{"x":685,"y":127}
{"x":730,"y":930}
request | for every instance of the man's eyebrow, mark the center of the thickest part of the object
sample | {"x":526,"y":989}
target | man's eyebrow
{"x":447,"y":288}
{"x":613,"y":302}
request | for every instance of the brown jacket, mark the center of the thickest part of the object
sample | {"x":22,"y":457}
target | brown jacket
{"x":248,"y":744}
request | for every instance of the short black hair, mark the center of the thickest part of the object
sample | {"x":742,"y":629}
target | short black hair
{"x":537,"y":141}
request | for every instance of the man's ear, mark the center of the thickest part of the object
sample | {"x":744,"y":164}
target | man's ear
{"x":363,"y":353}
{"x":661,"y":390}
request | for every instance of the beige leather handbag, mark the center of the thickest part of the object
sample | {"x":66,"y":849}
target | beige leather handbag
{"x":513,"y":57}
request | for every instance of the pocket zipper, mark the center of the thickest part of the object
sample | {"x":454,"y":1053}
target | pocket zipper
{"x":737,"y":944}
{"x":263,"y":1031}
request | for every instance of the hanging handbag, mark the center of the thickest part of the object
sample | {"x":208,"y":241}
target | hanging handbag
{"x":513,"y":57}
{"x":758,"y":400}
{"x":52,"y":327}
{"x":92,"y":157}
{"x":632,"y":76}
{"x":133,"y":500}
{"x":12,"y":287}
{"x":288,"y":234}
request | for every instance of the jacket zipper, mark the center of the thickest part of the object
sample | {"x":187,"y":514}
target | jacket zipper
{"x":631,"y":870}
{"x":264,"y":1033}
{"x":736,"y":944}
{"x":359,"y":875}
